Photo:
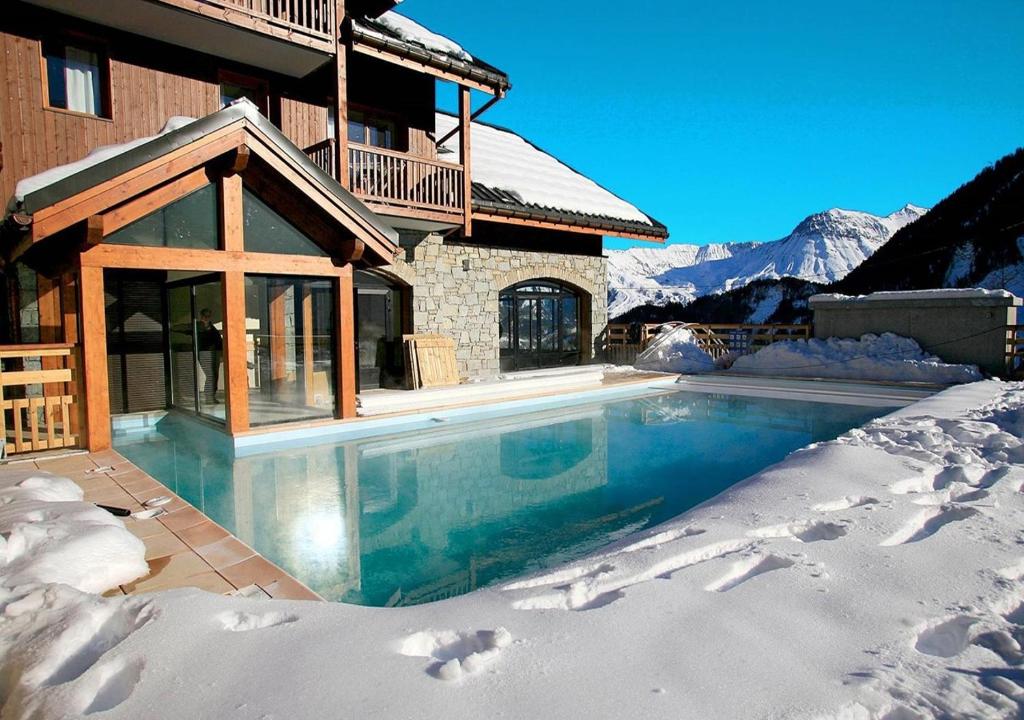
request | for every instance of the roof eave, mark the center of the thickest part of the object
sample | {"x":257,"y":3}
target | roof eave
{"x":656,"y":232}
{"x":494,"y":79}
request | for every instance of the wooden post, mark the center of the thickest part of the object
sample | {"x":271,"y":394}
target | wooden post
{"x":341,"y":100}
{"x":236,"y":369}
{"x":465,"y":158}
{"x":50,"y":321}
{"x":69,"y":307}
{"x":345,"y":353}
{"x":94,"y":358}
{"x":308,"y":379}
{"x":278,"y":331}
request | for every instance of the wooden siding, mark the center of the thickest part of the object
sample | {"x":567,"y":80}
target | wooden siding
{"x":149,"y":82}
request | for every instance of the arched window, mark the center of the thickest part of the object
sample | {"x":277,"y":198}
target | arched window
{"x":538,"y":325}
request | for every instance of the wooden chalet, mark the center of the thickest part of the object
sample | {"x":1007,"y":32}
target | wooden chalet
{"x":235,"y":209}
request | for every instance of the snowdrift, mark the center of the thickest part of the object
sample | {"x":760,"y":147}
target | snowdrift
{"x":885,"y":357}
{"x":675,"y":352}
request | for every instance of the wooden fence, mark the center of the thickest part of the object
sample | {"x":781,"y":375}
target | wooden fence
{"x":624,"y":342}
{"x":1015,"y":352}
{"x":38,"y":397}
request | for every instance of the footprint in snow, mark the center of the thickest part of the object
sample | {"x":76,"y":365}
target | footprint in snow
{"x":806,"y":531}
{"x":237,"y":621}
{"x":846,"y":503}
{"x":746,"y":570}
{"x":928,"y":522}
{"x":455,"y":653}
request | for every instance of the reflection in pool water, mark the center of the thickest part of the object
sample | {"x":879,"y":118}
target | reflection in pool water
{"x":429,"y":514}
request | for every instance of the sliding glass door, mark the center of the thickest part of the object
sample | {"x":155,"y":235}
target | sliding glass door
{"x":195,"y":335}
{"x":290,"y":329}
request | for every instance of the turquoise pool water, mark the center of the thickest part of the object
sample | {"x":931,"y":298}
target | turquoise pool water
{"x":426,"y":514}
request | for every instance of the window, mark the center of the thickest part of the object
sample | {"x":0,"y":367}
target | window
{"x":367,"y":130}
{"x":265,"y":230}
{"x":190,"y":222}
{"x":76,"y":77}
{"x":235,"y":85}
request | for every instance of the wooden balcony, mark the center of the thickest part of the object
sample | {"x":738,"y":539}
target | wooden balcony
{"x":398,"y":183}
{"x":298,"y":19}
{"x":291,"y":37}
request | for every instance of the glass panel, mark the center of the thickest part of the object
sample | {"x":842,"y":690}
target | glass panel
{"x":525,"y":313}
{"x":547,"y":335}
{"x":190,"y":222}
{"x":505,"y":323}
{"x":183,"y":375}
{"x":209,"y":328}
{"x":570,"y":324}
{"x":266,"y":231}
{"x":290,"y":326}
{"x":356,"y":127}
{"x":55,"y":64}
{"x":73,"y":79}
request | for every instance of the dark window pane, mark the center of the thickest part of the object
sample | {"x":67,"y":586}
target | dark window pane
{"x":570,"y":324}
{"x":190,"y":222}
{"x":74,"y":78}
{"x":267,"y":231}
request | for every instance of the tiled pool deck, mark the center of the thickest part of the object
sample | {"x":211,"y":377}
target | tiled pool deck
{"x":184,"y":548}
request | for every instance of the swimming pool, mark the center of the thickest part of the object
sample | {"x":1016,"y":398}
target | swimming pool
{"x":444,"y":509}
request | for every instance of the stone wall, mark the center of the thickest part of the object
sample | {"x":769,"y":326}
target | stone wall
{"x":455,"y":286}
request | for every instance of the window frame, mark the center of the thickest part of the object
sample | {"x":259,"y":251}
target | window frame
{"x":90,"y":43}
{"x":370,"y":115}
{"x":261,"y":86}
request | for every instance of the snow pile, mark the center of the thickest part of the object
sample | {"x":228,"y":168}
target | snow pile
{"x":411,"y":31}
{"x":51,"y":536}
{"x":505,"y":161}
{"x":885,"y":357}
{"x":675,"y":351}
{"x":936,"y":294}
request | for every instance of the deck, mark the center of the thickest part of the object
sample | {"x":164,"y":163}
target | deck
{"x":184,"y":548}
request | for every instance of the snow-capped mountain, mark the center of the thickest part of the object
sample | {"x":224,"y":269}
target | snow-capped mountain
{"x":823,"y":248}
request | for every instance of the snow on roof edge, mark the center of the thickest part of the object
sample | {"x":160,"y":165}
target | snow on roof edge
{"x":637,"y":218}
{"x":935,"y":294}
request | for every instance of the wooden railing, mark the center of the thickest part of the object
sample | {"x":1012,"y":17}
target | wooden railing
{"x":624,"y":341}
{"x":38,"y":397}
{"x":308,"y":17}
{"x":322,"y":154}
{"x":395,"y":178}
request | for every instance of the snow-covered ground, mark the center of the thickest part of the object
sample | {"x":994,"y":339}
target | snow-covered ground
{"x":877,"y":576}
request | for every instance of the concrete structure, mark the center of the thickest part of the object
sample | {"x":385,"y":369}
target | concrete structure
{"x":958,"y":325}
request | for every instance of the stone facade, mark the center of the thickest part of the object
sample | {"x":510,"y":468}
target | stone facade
{"x":455,"y":285}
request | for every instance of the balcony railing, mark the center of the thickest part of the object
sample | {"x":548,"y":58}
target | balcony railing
{"x":306,"y":17}
{"x":396,"y":179}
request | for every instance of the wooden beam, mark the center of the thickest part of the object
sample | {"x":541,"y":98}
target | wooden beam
{"x":239,"y":160}
{"x":345,"y":353}
{"x":94,"y":358}
{"x":341,"y":103}
{"x":115,"y":191}
{"x":277,"y":331}
{"x":231,"y":213}
{"x":69,"y":307}
{"x":93,"y":230}
{"x":236,"y":367}
{"x":138,"y":208}
{"x":307,"y":345}
{"x":551,"y":225}
{"x":465,"y":158}
{"x":132,"y":257}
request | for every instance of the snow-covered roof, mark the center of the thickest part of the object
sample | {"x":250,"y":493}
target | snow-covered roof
{"x":936,"y":294}
{"x":391,"y":31}
{"x":512,"y":174}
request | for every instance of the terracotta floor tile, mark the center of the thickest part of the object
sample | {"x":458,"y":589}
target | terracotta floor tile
{"x":175,"y":504}
{"x":135,"y":479}
{"x":164,"y":544}
{"x":286,"y":588}
{"x":115,"y":497}
{"x":181,"y":519}
{"x":225,"y":552}
{"x":211,"y":582}
{"x":204,"y":533}
{"x":169,"y":572}
{"x":65,"y":465}
{"x":255,"y":570}
{"x":146,"y":528}
{"x":95,"y":482}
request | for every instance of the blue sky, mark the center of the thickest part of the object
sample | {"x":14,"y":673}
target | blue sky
{"x":731,"y":120}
